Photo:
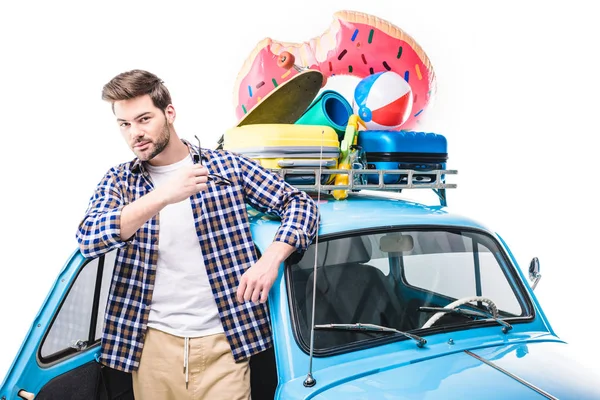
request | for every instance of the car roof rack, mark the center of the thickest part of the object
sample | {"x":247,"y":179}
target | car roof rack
{"x":410,"y":180}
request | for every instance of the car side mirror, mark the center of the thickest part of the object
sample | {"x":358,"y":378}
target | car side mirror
{"x":534,"y":272}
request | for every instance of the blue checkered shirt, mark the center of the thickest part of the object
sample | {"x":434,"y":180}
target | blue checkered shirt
{"x":221,"y":218}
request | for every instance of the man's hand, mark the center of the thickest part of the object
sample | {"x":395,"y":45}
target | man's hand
{"x":188,"y":181}
{"x":258,"y":279}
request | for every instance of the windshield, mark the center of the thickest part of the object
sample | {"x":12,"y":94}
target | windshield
{"x":385,"y":278}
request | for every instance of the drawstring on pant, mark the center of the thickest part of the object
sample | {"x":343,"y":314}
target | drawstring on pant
{"x":186,"y":355}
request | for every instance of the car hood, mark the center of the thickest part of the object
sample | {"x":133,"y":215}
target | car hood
{"x":521,"y":371}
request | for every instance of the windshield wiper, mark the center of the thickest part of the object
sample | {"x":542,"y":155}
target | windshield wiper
{"x":471,"y":313}
{"x":372,"y":328}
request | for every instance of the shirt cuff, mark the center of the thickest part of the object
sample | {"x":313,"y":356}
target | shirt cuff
{"x":102,"y":235}
{"x":111,"y":226}
{"x":292,"y":236}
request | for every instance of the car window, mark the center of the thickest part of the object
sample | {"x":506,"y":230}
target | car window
{"x":384,"y":278}
{"x":457,"y":270}
{"x":79,"y":320}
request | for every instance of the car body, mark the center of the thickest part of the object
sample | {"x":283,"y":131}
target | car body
{"x":376,"y":261}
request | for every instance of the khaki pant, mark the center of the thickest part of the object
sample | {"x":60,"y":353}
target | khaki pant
{"x":212,"y":372}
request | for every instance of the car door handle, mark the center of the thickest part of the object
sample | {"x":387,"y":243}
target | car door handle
{"x":25,"y":395}
{"x":79,"y":345}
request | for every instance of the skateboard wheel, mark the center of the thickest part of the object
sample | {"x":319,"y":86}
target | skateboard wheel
{"x":324,"y":81}
{"x":286,"y":60}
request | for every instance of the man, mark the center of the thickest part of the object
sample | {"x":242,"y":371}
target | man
{"x":187,"y":304}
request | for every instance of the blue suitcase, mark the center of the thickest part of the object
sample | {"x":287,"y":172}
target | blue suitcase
{"x":419,"y":151}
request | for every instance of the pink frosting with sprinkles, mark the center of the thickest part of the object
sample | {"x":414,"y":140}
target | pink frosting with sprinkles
{"x":360,"y":49}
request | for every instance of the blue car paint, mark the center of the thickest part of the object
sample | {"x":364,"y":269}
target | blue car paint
{"x":26,"y":371}
{"x":539,"y":313}
{"x":365,"y":213}
{"x":547,"y":365}
{"x":370,"y":364}
{"x":456,"y":376}
{"x":293,"y":363}
{"x":397,"y":370}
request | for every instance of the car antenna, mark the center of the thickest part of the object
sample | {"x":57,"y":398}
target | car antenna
{"x":310,"y":381}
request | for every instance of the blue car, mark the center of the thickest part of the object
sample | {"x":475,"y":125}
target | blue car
{"x":395,"y":299}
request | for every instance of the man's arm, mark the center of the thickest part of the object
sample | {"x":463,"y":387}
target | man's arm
{"x":136,"y":214}
{"x":256,"y":282}
{"x":100,"y":229}
{"x":269,"y":193}
{"x":110,"y":223}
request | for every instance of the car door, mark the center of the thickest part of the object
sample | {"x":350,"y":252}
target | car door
{"x":58,"y":358}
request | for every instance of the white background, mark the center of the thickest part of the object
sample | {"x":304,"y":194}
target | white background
{"x":517,"y":100}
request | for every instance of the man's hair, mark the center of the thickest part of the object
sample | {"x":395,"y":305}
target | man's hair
{"x":135,"y":83}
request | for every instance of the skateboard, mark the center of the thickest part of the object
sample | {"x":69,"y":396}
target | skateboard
{"x":287,"y":102}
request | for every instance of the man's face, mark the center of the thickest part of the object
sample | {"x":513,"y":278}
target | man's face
{"x":145,"y":128}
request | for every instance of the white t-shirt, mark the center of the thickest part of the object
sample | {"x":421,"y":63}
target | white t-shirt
{"x":182,"y":302}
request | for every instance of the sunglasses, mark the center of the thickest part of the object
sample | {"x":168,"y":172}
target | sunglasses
{"x":216,"y":179}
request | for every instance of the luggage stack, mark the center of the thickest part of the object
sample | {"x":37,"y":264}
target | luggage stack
{"x":288,"y":146}
{"x":308,"y":148}
{"x":404,"y":150}
{"x":315,"y":154}
{"x":318,"y":140}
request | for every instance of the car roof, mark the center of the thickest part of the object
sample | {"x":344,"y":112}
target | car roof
{"x":364,"y":210}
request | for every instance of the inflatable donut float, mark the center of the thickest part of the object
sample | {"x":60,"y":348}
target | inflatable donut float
{"x":355,"y":44}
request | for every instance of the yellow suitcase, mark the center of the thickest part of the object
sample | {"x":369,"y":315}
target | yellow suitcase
{"x":287,"y":146}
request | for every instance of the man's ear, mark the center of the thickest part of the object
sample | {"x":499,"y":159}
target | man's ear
{"x":170,"y":114}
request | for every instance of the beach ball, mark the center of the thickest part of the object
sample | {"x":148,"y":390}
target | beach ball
{"x":383,"y":101}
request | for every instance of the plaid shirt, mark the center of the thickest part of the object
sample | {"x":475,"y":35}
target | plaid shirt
{"x":221,"y":218}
